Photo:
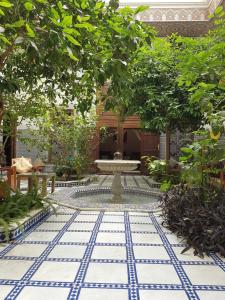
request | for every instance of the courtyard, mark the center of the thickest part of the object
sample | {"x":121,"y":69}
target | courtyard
{"x":112,"y":150}
{"x":106,"y":254}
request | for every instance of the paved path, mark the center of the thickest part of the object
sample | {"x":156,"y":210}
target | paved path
{"x":106,"y":256}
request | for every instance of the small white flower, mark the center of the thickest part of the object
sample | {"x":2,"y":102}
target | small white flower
{"x":208,"y":127}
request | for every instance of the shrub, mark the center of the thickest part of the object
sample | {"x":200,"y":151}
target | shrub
{"x":156,"y":167}
{"x":16,"y":205}
{"x":197,"y":215}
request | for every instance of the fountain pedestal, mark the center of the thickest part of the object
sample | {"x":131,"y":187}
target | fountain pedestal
{"x":117,"y":167}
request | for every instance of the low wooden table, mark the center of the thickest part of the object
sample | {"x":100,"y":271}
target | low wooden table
{"x":36,"y":176}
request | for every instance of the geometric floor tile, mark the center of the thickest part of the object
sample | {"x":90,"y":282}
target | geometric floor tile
{"x":112,"y":226}
{"x":115,"y":218}
{"x":81,"y":226}
{"x":14,"y":269}
{"x":42,"y":293}
{"x":107,"y":273}
{"x":56,"y":271}
{"x":113,"y":259}
{"x":189,"y":256}
{"x":173,"y":239}
{"x":27,"y":250}
{"x":209,"y":295}
{"x":67,"y":251}
{"x":4,"y":290}
{"x":103,"y":294}
{"x":51,"y":226}
{"x":143,"y":227}
{"x":156,"y":274}
{"x":109,"y":252}
{"x":150,"y":252}
{"x":41,"y":236}
{"x":110,"y":237}
{"x":89,"y":212}
{"x":59,"y":218}
{"x":205,"y":275}
{"x":138,"y":214}
{"x":146,"y":238}
{"x":163,"y":295}
{"x":86,"y":218}
{"x":116,"y":213}
{"x":140,"y":219}
{"x":76,"y":237}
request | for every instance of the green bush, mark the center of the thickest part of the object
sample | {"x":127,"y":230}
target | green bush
{"x":156,"y":167}
{"x":16,"y":205}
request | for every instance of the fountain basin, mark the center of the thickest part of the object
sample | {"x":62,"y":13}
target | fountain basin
{"x":99,"y":198}
{"x":117,"y":166}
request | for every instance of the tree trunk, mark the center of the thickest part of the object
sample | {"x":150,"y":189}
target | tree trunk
{"x":119,"y":136}
{"x":1,"y":108}
{"x":167,"y":149}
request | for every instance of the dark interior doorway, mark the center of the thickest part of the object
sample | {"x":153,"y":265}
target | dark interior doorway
{"x":108,"y":144}
{"x":132,"y":144}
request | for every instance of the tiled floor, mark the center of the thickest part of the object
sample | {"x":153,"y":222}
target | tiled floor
{"x":138,"y":181}
{"x":106,"y":256}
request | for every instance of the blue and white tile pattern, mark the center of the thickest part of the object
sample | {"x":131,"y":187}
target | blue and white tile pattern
{"x":101,"y":255}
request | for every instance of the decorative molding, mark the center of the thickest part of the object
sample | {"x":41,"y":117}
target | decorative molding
{"x":180,"y":11}
{"x":174,"y":14}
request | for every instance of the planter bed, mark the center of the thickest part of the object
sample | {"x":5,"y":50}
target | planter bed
{"x":26,"y":223}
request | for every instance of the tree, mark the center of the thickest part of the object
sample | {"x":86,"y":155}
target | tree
{"x":155,"y":95}
{"x":202,"y":72}
{"x":65,"y":49}
{"x":65,"y":132}
{"x":71,"y":46}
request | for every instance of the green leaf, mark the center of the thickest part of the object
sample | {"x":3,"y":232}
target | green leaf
{"x":16,"y":24}
{"x":2,"y":12}
{"x":87,"y":26}
{"x":73,"y":57}
{"x":82,"y":19}
{"x":99,"y":5}
{"x":42,"y":1}
{"x":55,"y":13}
{"x":186,"y":150}
{"x":83,"y":4}
{"x":30,"y":31}
{"x":141,"y":8}
{"x":55,"y":22}
{"x":67,"y":21}
{"x":5,"y":40}
{"x":72,"y":40}
{"x":71,"y":31}
{"x":5,"y":4}
{"x":29,"y":6}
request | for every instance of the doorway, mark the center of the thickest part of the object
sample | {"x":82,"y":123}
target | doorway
{"x":131,"y":144}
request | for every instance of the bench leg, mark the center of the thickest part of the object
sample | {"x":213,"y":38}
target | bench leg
{"x":53,"y":184}
{"x":44,"y":187}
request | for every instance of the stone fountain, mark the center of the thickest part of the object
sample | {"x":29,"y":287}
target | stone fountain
{"x":117,"y":166}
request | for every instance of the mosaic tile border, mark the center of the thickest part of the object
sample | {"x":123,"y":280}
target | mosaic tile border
{"x":71,"y":183}
{"x":26,"y":224}
{"x":72,"y":198}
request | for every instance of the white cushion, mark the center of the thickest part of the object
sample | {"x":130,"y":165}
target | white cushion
{"x":22,"y":165}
